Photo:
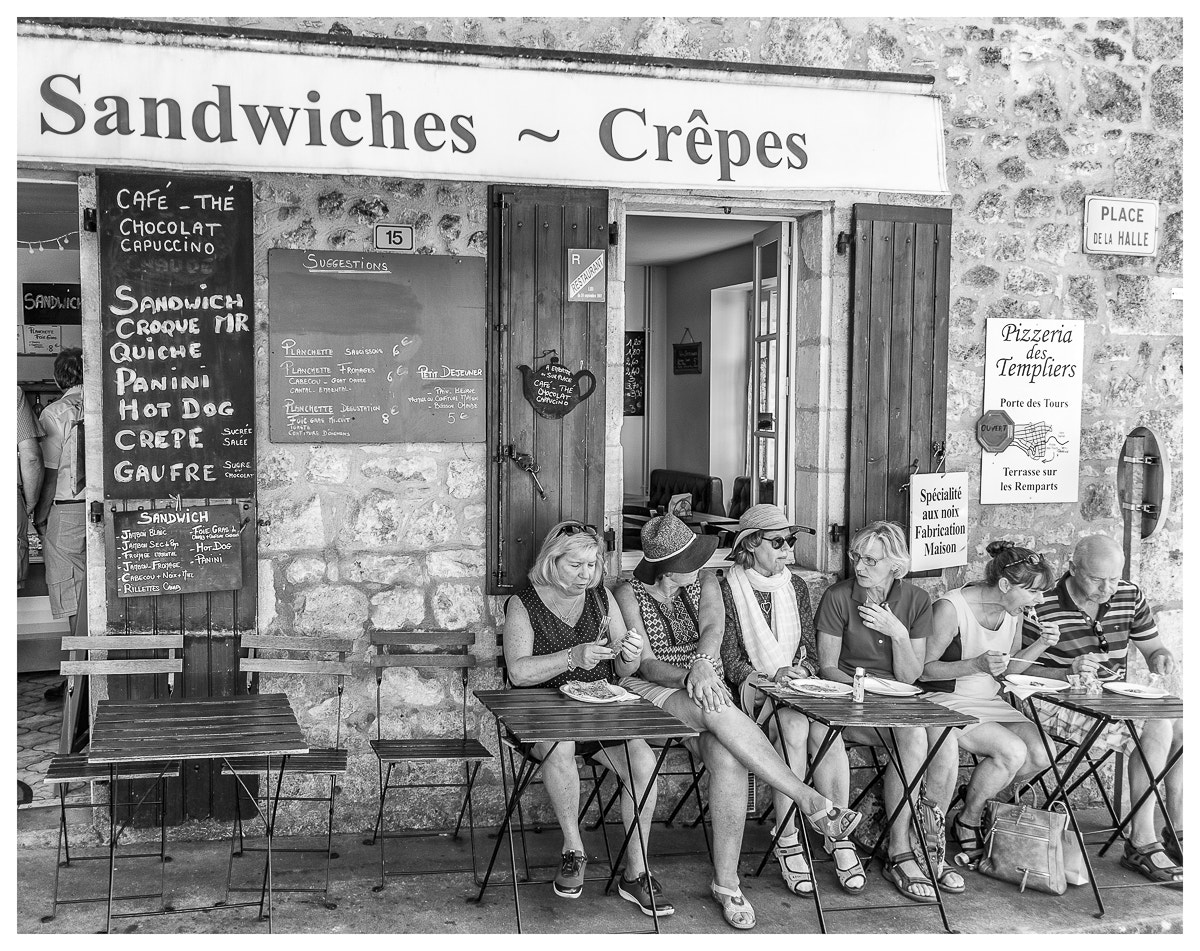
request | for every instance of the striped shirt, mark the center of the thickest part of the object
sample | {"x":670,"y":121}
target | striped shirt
{"x":1124,"y":617}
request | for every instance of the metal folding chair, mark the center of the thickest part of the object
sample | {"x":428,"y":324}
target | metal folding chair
{"x":424,"y":650}
{"x":66,"y":769}
{"x":297,"y":656}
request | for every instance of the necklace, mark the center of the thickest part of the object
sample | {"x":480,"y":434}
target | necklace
{"x":563,"y":613}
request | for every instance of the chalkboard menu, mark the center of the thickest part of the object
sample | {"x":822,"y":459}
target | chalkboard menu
{"x":178,"y":551}
{"x":635,"y":373}
{"x":177,"y":314}
{"x":376,"y":347}
{"x":50,"y":304}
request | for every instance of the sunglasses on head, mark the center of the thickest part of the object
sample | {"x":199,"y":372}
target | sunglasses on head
{"x":574,"y":528}
{"x":779,"y":541}
{"x":1034,"y":560}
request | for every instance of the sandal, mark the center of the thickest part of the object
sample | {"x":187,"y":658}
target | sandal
{"x":1138,"y":860}
{"x":956,"y":885}
{"x":737,"y":911}
{"x":970,"y":842}
{"x":846,"y":876}
{"x":798,"y":881}
{"x":1172,"y":845}
{"x":834,"y":822}
{"x":904,"y":882}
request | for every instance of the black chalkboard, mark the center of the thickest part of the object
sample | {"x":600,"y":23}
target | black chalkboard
{"x":376,"y":347}
{"x":50,"y":304}
{"x":553,"y":390}
{"x":177,"y":315}
{"x":178,"y":551}
{"x":635,"y":373}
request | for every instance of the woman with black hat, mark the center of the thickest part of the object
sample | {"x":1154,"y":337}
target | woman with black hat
{"x":769,"y":634}
{"x":681,"y":618}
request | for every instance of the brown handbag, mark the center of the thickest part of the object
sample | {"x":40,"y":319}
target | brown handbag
{"x":1024,"y":845}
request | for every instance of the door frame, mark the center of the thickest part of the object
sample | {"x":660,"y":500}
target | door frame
{"x":623,"y":204}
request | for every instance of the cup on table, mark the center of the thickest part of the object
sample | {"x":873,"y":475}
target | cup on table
{"x":1077,"y":682}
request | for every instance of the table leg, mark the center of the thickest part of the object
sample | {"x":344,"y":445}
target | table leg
{"x":637,"y":823}
{"x":639,"y":805}
{"x":112,"y":843}
{"x":1060,"y":778}
{"x":1155,"y":782}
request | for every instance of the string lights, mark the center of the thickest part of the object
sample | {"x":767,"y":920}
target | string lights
{"x":61,"y":243}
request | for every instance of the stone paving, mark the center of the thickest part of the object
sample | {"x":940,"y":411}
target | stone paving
{"x":39,"y":724}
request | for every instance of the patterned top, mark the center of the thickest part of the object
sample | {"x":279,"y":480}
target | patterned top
{"x":733,"y":648}
{"x":552,"y":634}
{"x":673,"y":630}
{"x":1124,"y":617}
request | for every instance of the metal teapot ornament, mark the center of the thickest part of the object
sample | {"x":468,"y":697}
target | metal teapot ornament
{"x":553,"y":390}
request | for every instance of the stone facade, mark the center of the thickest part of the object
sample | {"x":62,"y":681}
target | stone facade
{"x":1039,"y":112}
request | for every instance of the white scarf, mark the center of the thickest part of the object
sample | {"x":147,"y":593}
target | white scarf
{"x":768,"y":648}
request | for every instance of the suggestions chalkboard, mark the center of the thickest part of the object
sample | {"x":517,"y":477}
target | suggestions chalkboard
{"x":177,"y":307}
{"x":178,"y":551}
{"x":376,"y":347}
{"x":635,"y":373}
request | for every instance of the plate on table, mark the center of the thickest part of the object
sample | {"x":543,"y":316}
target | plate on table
{"x":1141,"y":691}
{"x":1043,"y":684}
{"x":889,"y":688}
{"x":595,"y":691}
{"x":815,"y":687}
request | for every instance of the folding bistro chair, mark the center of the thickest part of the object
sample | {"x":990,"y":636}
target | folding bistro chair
{"x":71,"y":768}
{"x":298,"y":656}
{"x":424,"y":650}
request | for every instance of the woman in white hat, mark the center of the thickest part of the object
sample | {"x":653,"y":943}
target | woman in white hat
{"x":769,"y":634}
{"x":681,"y":619}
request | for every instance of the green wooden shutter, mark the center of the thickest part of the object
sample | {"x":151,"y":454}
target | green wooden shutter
{"x":530,"y":232}
{"x":900,"y":272}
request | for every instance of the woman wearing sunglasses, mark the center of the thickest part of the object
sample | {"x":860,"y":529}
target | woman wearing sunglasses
{"x":769,"y":633}
{"x":976,"y":641}
{"x":875,"y":621}
{"x":682,"y":619}
{"x":562,"y":627}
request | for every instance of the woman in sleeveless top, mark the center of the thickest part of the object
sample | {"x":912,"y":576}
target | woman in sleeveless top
{"x":977,"y":640}
{"x":682,"y":618}
{"x":564,"y":627}
{"x":769,"y":635}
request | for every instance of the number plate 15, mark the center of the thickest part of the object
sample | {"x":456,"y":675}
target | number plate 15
{"x":394,"y":237}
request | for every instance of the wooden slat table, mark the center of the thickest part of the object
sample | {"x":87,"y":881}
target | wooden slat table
{"x":543,"y":715}
{"x":881,"y":714}
{"x":127,"y":732}
{"x":1104,"y":709}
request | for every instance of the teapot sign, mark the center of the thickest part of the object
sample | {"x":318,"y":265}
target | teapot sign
{"x":553,"y":390}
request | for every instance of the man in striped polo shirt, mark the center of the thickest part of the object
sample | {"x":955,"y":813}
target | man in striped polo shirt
{"x":1098,"y":615}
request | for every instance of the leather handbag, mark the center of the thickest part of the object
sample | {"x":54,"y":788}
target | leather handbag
{"x":1024,"y":845}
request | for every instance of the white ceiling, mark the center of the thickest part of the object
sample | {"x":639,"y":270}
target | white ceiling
{"x":652,"y":239}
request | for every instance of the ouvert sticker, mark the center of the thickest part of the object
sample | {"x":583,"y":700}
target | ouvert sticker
{"x":469,"y":118}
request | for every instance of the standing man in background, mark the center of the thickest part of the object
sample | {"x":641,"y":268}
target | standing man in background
{"x":29,"y":484}
{"x":60,"y":512}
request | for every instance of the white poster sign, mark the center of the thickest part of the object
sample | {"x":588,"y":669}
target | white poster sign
{"x":1120,"y":226}
{"x":1034,"y":372}
{"x":937,"y":520}
{"x":469,"y":117}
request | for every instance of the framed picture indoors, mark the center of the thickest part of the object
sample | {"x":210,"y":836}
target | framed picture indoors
{"x":689,"y":357}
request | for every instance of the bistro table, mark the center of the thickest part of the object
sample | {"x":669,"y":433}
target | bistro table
{"x":884,"y":715}
{"x":543,"y":715}
{"x":127,"y":732}
{"x":1104,"y":709}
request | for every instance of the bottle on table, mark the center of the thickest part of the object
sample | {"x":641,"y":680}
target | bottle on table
{"x":859,"y":689}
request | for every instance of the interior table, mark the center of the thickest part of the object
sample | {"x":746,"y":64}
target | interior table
{"x":128,"y":732}
{"x":884,"y":715}
{"x":543,"y":715}
{"x":1104,"y":709}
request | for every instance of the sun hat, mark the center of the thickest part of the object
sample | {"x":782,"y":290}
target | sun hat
{"x":763,"y":517}
{"x":669,"y":545}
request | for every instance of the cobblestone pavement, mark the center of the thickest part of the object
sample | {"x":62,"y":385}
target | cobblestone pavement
{"x":39,"y":724}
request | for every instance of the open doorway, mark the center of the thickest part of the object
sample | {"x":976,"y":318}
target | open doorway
{"x":709,"y":312}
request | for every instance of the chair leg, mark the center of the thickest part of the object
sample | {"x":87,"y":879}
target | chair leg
{"x":379,"y":816}
{"x":58,"y":859}
{"x":520,"y":819}
{"x":234,"y":835}
{"x":329,"y":839}
{"x":596,"y":780}
{"x":385,"y":783}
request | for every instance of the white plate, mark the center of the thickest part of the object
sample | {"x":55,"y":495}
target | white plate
{"x":1044,"y":684}
{"x":1140,"y":691}
{"x":575,"y":690}
{"x":889,"y":688}
{"x":814,"y":687}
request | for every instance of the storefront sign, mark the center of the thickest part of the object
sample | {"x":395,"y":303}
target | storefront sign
{"x":1120,"y":226}
{"x":553,"y":390}
{"x":1034,"y":372}
{"x":937,"y":520}
{"x":177,"y":551}
{"x":585,"y":275}
{"x":50,"y":304}
{"x":43,"y":341}
{"x":469,"y":117}
{"x":394,"y":238}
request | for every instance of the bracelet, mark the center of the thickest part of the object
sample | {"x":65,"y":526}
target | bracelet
{"x":570,"y":659}
{"x":700,"y":655}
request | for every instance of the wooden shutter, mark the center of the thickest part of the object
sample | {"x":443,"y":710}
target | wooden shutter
{"x":900,"y":291}
{"x":530,"y":232}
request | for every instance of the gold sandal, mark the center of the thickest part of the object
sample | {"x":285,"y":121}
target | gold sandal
{"x":737,"y":911}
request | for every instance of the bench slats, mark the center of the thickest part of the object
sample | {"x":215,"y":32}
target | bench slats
{"x":282,"y":665}
{"x":410,"y":638}
{"x":122,"y":642}
{"x":278,"y":642}
{"x":74,"y":668}
{"x":422,"y":660}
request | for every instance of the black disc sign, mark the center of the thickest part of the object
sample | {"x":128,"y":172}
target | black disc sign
{"x":553,"y":390}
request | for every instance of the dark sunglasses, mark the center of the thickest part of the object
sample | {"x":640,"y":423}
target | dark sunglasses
{"x":779,"y":541}
{"x":1035,"y":560}
{"x":574,"y":528}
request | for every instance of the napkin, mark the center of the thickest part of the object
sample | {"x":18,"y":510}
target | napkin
{"x":1022,"y":691}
